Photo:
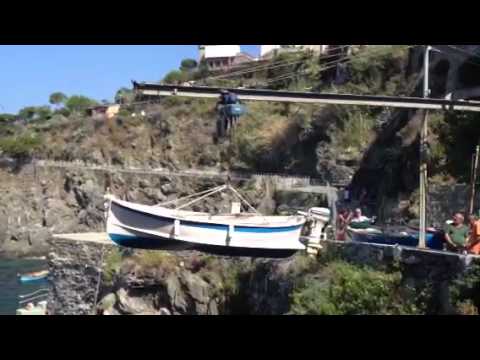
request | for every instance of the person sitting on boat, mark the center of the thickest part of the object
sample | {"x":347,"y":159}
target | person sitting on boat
{"x":358,"y":216}
{"x":456,"y":234}
{"x":473,"y":245}
{"x":358,"y":220}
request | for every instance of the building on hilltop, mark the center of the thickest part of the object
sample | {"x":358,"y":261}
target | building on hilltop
{"x":223,"y":57}
{"x":106,"y":111}
{"x":269,"y":51}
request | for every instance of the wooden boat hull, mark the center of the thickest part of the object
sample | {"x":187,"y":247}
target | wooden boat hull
{"x":143,"y":227}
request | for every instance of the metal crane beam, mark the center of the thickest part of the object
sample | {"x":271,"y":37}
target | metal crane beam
{"x":154,"y":90}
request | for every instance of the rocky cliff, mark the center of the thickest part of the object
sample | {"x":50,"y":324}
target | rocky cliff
{"x":190,"y":283}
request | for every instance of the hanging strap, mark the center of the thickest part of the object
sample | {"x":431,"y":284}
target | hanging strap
{"x":189,"y":196}
{"x":230,"y":187}
{"x":202,"y":197}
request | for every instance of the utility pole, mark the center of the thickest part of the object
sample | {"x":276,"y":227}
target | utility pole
{"x":423,"y":154}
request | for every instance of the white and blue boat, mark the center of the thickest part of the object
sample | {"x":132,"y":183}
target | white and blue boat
{"x":237,"y":234}
{"x":36,"y":277}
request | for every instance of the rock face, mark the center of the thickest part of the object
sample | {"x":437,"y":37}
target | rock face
{"x":191,"y":283}
{"x":75,"y":270}
{"x":160,"y":283}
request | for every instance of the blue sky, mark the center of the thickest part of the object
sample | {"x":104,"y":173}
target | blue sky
{"x":30,"y":73}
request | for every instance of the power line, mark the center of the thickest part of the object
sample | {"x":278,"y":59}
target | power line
{"x":347,"y":59}
{"x":269,"y":66}
{"x":280,"y":63}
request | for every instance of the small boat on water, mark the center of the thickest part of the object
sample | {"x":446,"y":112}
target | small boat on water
{"x":31,"y":309}
{"x":28,"y":306}
{"x":34,"y":277}
{"x":236,"y":234}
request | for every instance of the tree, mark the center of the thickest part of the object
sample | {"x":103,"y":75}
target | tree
{"x":20,"y":146}
{"x":124,"y":95}
{"x":7,"y":117}
{"x":34,"y":113}
{"x":58,"y":98}
{"x":175,"y":77}
{"x":188,"y":65}
{"x":79,"y":103}
{"x":43,"y":113}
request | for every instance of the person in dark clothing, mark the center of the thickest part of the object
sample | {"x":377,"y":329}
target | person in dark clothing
{"x":222,"y":122}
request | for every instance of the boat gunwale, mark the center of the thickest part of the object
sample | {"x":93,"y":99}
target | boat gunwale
{"x":294,"y":220}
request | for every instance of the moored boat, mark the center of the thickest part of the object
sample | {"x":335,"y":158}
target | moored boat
{"x":34,"y":277}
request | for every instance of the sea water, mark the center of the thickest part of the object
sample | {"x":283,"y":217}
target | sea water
{"x":11,"y":288}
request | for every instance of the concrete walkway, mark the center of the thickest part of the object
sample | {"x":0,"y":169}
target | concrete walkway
{"x":98,"y":238}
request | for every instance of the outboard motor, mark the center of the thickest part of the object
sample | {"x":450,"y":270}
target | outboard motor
{"x":318,"y":219}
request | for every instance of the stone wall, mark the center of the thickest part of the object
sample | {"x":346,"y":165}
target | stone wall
{"x":445,"y":200}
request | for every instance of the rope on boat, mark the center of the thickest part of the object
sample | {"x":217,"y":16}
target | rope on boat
{"x":242,"y":199}
{"x":203,"y":197}
{"x":207,"y":193}
{"x":189,"y":196}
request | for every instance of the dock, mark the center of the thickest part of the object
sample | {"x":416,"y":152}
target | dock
{"x":96,"y":238}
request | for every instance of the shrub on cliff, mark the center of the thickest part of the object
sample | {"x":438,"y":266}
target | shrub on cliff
{"x":79,"y":103}
{"x":21,"y":146}
{"x":465,"y":292}
{"x":175,"y":77}
{"x":188,"y":65}
{"x":345,"y":289}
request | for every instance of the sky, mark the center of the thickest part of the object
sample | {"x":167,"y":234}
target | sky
{"x":30,"y":73}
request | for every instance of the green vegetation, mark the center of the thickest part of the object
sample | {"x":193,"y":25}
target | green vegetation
{"x":188,"y":65}
{"x":148,"y":260}
{"x":465,"y":292}
{"x":79,"y":103}
{"x":112,"y":265}
{"x":20,"y":146}
{"x":7,"y":118}
{"x":345,"y":289}
{"x":175,"y":77}
{"x":35,"y":113}
{"x":124,"y":96}
{"x":58,"y":98}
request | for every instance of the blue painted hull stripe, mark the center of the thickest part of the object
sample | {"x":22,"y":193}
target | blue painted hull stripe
{"x":133,"y":241}
{"x":220,"y":227}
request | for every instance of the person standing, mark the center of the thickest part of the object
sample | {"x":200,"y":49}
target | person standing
{"x":473,"y":245}
{"x":456,"y":234}
{"x":344,"y":219}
